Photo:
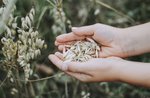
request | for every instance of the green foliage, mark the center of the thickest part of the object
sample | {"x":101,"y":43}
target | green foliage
{"x":54,"y":17}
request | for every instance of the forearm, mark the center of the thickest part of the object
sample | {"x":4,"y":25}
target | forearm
{"x":134,"y":73}
{"x":136,"y":39}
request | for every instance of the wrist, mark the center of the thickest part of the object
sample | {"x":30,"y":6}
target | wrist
{"x":119,"y":69}
{"x":128,"y":42}
{"x":135,"y":40}
{"x":133,"y":72}
{"x":116,"y":65}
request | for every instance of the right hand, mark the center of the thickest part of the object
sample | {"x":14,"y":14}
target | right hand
{"x":109,"y":38}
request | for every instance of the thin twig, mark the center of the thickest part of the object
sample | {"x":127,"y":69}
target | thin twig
{"x":41,"y":16}
{"x":5,"y":17}
{"x":66,"y":89}
{"x":51,"y":3}
{"x":75,"y":89}
{"x":42,"y":79}
{"x":3,"y":80}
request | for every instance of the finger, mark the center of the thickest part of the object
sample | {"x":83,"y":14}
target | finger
{"x":56,"y":61}
{"x":66,"y":65}
{"x":76,"y":67}
{"x":63,"y":43}
{"x":84,"y":31}
{"x":115,"y":58}
{"x":68,"y":37}
{"x":59,"y":55}
{"x":80,"y":76}
{"x":61,"y":47}
{"x":57,"y":43}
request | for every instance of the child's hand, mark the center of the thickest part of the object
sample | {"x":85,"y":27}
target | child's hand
{"x":109,"y":38}
{"x":94,"y":70}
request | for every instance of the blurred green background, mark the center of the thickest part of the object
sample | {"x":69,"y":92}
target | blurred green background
{"x":55,"y":17}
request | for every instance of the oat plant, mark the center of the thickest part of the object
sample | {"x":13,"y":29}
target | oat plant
{"x":21,"y":44}
{"x":60,"y":19}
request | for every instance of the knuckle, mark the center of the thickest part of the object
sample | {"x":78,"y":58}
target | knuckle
{"x":97,"y":25}
{"x":84,"y":79}
{"x":60,"y":48}
{"x":57,"y":38}
{"x":56,"y":43}
{"x":60,"y":36}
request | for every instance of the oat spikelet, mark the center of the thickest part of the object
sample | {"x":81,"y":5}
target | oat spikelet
{"x":81,"y":51}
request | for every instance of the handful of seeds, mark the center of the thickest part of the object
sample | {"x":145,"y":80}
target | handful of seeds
{"x":81,"y":51}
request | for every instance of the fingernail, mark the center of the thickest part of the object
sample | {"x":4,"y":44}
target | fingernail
{"x":65,"y":66}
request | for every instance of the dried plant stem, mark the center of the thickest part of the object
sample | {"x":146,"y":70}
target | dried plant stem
{"x":42,"y":79}
{"x":75,"y":89}
{"x":6,"y":14}
{"x":115,"y":10}
{"x":51,"y":3}
{"x":64,"y":26}
{"x":66,"y":89}
{"x":3,"y":80}
{"x":18,"y":83}
{"x":32,"y":92}
{"x":41,"y":16}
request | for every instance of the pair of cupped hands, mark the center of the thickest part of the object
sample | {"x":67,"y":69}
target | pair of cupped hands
{"x":104,"y":68}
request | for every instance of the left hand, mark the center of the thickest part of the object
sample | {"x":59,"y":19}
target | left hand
{"x":94,"y":70}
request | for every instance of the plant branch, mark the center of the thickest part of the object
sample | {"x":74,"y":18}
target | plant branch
{"x":42,"y":79}
{"x":4,"y":80}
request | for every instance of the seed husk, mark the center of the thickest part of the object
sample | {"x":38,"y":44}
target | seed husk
{"x":81,"y":51}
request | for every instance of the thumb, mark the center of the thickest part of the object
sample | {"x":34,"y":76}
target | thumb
{"x":103,"y":54}
{"x":84,"y":31}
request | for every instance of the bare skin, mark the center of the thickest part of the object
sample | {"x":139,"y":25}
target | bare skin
{"x":114,"y":42}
